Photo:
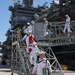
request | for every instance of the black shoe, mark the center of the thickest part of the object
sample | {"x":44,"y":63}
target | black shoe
{"x":32,"y":65}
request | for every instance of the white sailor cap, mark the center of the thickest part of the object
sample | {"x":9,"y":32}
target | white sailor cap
{"x":28,"y":23}
{"x":42,"y":52}
{"x":66,"y":15}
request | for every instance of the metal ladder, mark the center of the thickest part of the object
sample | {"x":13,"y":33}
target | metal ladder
{"x":19,"y":58}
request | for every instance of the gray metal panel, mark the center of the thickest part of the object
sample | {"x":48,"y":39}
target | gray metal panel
{"x":39,"y":31}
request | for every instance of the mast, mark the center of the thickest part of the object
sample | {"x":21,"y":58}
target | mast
{"x":28,"y":3}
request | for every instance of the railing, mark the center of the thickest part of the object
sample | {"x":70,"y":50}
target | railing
{"x":57,"y":37}
{"x":57,"y":28}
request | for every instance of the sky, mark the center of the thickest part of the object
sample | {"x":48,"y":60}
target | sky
{"x":5,"y":15}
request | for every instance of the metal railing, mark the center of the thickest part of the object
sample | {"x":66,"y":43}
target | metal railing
{"x":57,"y":37}
{"x":57,"y":28}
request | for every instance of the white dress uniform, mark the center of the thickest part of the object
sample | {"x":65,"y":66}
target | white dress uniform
{"x":25,"y":31}
{"x":33,"y":54}
{"x":32,"y":24}
{"x":45,"y":28}
{"x":38,"y":68}
{"x":67,"y":25}
{"x":29,"y":28}
{"x":31,"y":45}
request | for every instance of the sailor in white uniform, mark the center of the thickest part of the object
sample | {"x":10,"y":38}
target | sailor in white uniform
{"x":32,"y":48}
{"x":67,"y":25}
{"x":32,"y":24}
{"x":29,"y":27}
{"x":26,"y":31}
{"x":45,"y":26}
{"x":42,"y":67}
{"x":33,"y":53}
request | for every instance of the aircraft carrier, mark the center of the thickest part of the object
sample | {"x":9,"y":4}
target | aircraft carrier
{"x":59,"y":47}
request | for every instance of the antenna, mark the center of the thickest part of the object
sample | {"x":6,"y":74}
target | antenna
{"x":28,"y":2}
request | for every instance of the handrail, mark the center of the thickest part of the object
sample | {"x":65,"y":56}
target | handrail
{"x":55,"y":27}
{"x":61,"y":22}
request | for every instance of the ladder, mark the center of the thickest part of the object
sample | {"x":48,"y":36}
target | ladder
{"x":19,"y":59}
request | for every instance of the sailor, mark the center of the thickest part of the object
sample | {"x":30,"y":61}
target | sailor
{"x":45,"y":26}
{"x":32,"y":24}
{"x":29,"y":27}
{"x":26,"y":38}
{"x":32,"y":48}
{"x":42,"y":66}
{"x":67,"y":25}
{"x":25,"y":29}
